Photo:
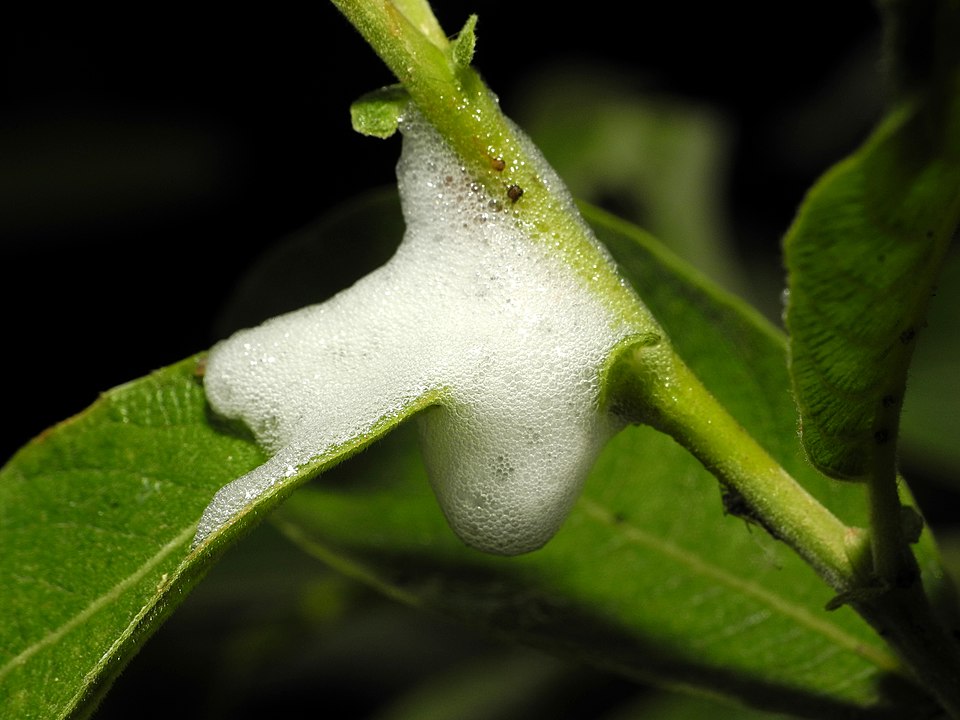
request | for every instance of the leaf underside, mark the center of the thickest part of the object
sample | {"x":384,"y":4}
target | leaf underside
{"x":648,"y":577}
{"x":863,"y":257}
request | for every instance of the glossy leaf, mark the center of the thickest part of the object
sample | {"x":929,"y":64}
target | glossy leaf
{"x":863,"y":257}
{"x":96,"y":515}
{"x":96,"y":521}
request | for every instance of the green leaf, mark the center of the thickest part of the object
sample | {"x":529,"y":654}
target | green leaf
{"x":463,"y":47}
{"x":648,"y":577}
{"x":377,"y":113}
{"x":96,"y":521}
{"x":95,"y":517}
{"x":863,"y":257}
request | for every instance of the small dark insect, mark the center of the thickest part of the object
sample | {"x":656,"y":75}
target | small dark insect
{"x":498,"y":164}
{"x":514,"y":192}
{"x":907,"y":335}
{"x":889,"y":401}
{"x":881,"y":437}
{"x":736,"y":505}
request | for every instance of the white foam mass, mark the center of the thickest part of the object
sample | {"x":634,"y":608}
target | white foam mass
{"x":468,"y":305}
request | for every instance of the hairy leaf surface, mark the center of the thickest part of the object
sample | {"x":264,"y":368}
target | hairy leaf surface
{"x":863,"y":256}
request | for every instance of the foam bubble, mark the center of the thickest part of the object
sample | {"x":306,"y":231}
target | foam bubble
{"x":468,"y":305}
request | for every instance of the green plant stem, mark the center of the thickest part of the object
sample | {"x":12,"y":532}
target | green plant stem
{"x":455,"y":100}
{"x":419,"y":14}
{"x":650,"y":384}
{"x":900,"y":609}
{"x":893,"y":563}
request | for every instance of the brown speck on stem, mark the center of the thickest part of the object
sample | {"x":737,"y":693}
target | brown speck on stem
{"x":514,"y":192}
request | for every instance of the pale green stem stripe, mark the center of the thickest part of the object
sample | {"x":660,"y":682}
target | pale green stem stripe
{"x":421,"y":16}
{"x":879,"y":657}
{"x":54,"y":636}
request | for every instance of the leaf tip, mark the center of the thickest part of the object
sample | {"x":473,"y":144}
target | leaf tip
{"x":465,"y":45}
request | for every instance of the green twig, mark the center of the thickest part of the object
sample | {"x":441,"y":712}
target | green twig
{"x":649,"y":383}
{"x":455,"y":100}
{"x":899,"y":608}
{"x":893,"y":563}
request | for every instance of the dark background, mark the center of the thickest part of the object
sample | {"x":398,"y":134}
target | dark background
{"x":147,"y":159}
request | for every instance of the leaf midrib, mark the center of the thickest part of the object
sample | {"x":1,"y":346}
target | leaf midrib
{"x":99,"y":603}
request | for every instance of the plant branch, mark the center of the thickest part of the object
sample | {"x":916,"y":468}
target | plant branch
{"x":455,"y":100}
{"x":649,"y":383}
{"x":893,"y":563}
{"x":897,"y":607}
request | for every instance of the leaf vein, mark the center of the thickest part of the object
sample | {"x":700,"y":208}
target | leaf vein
{"x":777,"y":603}
{"x":98,"y":604}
